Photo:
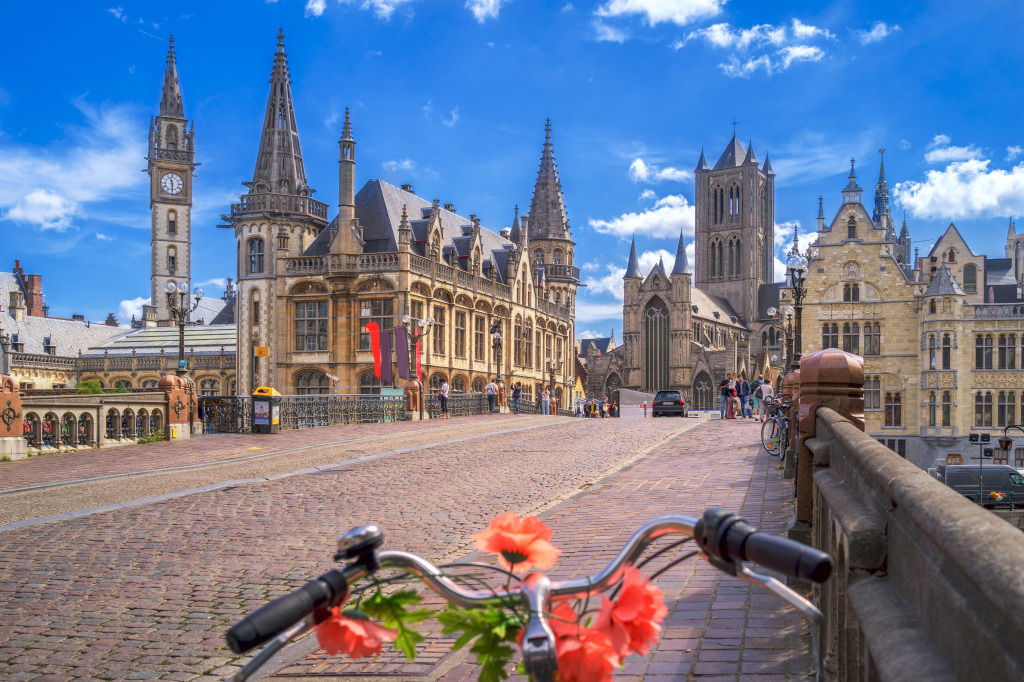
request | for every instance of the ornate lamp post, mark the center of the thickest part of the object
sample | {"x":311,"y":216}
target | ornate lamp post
{"x":496,"y":344}
{"x":797,"y":267}
{"x":5,"y":348}
{"x":1005,"y":443}
{"x":786,"y":326}
{"x":424,"y":327}
{"x":553,"y":368}
{"x":180,"y":309}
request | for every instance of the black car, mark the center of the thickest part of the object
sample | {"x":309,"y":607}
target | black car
{"x":668,"y":404}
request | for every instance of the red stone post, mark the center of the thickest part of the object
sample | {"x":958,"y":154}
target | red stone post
{"x":178,"y":412}
{"x":12,"y":441}
{"x":829,"y":378}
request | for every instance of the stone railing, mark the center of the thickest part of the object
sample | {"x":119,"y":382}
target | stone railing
{"x":1006,"y":311}
{"x":559,"y":271}
{"x":279,"y":203}
{"x":926,"y":583}
{"x":166,"y":363}
{"x":444,"y":273}
{"x":307,"y":265}
{"x":43,"y":361}
{"x":364,"y":262}
{"x":171,"y":154}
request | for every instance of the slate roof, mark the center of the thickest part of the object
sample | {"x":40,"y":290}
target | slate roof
{"x":599,"y":344}
{"x":709,"y":304}
{"x":944,"y":283}
{"x":379,"y":211}
{"x":67,"y":336}
{"x":8,"y":282}
{"x":768,"y":297}
{"x":199,"y":339}
{"x":682,"y":265}
{"x":633,"y":268}
{"x":214,"y":311}
{"x":732,"y":155}
{"x":999,"y":271}
{"x":1002,"y":293}
{"x":702,"y":163}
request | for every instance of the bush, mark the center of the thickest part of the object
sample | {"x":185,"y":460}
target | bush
{"x":152,"y":437}
{"x":5,"y":458}
{"x":89,"y":386}
{"x":120,"y":389}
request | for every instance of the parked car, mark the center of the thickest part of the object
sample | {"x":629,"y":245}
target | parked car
{"x":995,"y":478}
{"x":668,"y":404}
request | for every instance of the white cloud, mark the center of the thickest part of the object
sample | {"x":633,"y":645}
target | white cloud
{"x":939,"y":141}
{"x":589,"y":334}
{"x":764,"y":47}
{"x":587,"y":311}
{"x":129,"y":307}
{"x":647,"y":194}
{"x":611,"y":283}
{"x":484,"y":9}
{"x":679,"y":12}
{"x":567,"y":7}
{"x":1013,"y":152}
{"x":904,"y":144}
{"x":878,"y":31}
{"x":941,"y":151}
{"x":608,"y":34}
{"x":641,"y":171}
{"x":401,"y":164}
{"x":451,"y":118}
{"x":215,"y":282}
{"x":804,"y":31}
{"x":587,"y":267}
{"x":800,"y":53}
{"x":118,"y":12}
{"x":104,"y":238}
{"x":965,"y":189}
{"x":382,"y":9}
{"x":669,"y":214}
{"x":49,"y":187}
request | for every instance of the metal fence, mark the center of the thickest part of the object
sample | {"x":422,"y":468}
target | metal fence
{"x":459,"y":405}
{"x":308,"y":411}
{"x":225,"y":413}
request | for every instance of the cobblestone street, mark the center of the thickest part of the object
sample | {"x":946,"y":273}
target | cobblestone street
{"x":147,"y":591}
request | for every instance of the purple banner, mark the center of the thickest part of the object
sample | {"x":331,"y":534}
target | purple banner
{"x":387,"y":375}
{"x":402,"y":352}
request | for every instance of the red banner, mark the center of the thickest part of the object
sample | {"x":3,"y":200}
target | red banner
{"x":374,"y":331}
{"x":419,"y":364}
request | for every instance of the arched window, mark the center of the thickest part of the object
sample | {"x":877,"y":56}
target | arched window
{"x":893,"y":409}
{"x":367,"y":384}
{"x":172,"y":258}
{"x":947,"y":408}
{"x":255,"y":256}
{"x":172,"y":137}
{"x":933,"y":408}
{"x":528,"y":344}
{"x":772,"y":336}
{"x":851,"y":228}
{"x":933,"y":353}
{"x":538,"y":257}
{"x":970,"y":279}
{"x":436,"y":380}
{"x":1006,"y":409}
{"x":254,"y":298}
{"x":1007,"y":351}
{"x":951,"y":257}
{"x":983,"y":408}
{"x":150,"y":384}
{"x":312,"y":382}
{"x":946,"y":351}
{"x":172,"y":222}
{"x":478,"y":385}
{"x":983,"y":351}
{"x":764,"y":339}
{"x":122,"y":383}
{"x":517,"y":341}
{"x":459,"y":384}
{"x":209,"y":387}
{"x":556,"y":257}
{"x":655,"y":345}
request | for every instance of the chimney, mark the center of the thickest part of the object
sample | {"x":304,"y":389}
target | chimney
{"x":148,"y":316}
{"x":17,"y":306}
{"x":111,"y":320}
{"x":408,"y":188}
{"x":34,"y":296}
{"x":77,"y":317}
{"x":449,"y":207}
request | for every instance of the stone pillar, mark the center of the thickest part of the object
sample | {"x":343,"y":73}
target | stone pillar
{"x":413,"y":396}
{"x":179,"y":415}
{"x":12,"y":442}
{"x":791,"y":385}
{"x":830,"y":378}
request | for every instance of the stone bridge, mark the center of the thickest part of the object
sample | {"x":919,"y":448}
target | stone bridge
{"x":928,"y":585}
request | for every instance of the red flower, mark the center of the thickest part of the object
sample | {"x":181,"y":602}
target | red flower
{"x":522,"y":543}
{"x":352,"y":633}
{"x":585,"y":656}
{"x":632,"y":621}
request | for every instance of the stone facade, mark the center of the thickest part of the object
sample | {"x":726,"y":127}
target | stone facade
{"x":677,"y":334}
{"x":307,"y":287}
{"x":940,"y":361}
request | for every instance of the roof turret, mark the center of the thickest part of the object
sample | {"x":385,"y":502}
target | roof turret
{"x":767,"y":168}
{"x":731,"y":156}
{"x":633,"y":268}
{"x":515,"y":234}
{"x":170,"y":100}
{"x":750,"y":157}
{"x":944,"y":283}
{"x":548,"y":219}
{"x":702,"y":163}
{"x":682,"y":265}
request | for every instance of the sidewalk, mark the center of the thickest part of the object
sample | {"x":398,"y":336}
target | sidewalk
{"x":718,"y":627}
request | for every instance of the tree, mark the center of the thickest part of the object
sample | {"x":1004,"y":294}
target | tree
{"x":89,"y":386}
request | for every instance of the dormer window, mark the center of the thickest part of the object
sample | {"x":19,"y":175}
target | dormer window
{"x":48,"y":347}
{"x":16,"y":345}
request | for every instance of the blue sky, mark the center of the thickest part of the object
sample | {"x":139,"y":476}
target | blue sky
{"x":451,"y":97}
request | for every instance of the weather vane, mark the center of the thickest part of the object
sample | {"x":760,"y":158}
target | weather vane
{"x":734,"y":126}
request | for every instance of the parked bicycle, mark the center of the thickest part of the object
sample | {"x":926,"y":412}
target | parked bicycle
{"x":775,"y":432}
{"x":537,"y":610}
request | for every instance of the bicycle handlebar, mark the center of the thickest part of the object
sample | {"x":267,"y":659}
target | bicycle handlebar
{"x":724,"y":539}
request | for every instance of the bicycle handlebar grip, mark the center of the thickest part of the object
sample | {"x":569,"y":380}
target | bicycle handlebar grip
{"x":787,"y":556}
{"x":274,"y":617}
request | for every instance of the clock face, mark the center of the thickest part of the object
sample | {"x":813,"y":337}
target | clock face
{"x":171,"y":183}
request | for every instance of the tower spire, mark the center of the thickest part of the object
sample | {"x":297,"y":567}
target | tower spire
{"x":682,"y":266}
{"x":881,"y":216}
{"x":346,"y":171}
{"x":170,"y":100}
{"x":548,"y":219}
{"x":279,"y":167}
{"x":515,"y":234}
{"x":633,"y":268}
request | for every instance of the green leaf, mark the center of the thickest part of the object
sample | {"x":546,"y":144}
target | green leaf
{"x":491,"y":630}
{"x":392,"y":610}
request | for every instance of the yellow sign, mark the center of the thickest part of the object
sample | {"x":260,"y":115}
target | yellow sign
{"x":174,"y":433}
{"x":954,"y":459}
{"x":262,"y":351}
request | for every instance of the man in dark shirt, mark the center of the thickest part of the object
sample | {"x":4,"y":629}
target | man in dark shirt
{"x":744,"y":391}
{"x":724,"y":388}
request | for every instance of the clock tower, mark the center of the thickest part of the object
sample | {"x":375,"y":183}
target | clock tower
{"x":171,"y":162}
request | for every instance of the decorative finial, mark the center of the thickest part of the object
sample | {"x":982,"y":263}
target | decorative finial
{"x":734,"y":124}
{"x":280,"y":40}
{"x":853,"y":174}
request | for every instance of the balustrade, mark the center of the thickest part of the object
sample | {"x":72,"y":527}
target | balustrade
{"x":1009,"y":311}
{"x":280,"y":203}
{"x":445,"y":273}
{"x":308,"y":265}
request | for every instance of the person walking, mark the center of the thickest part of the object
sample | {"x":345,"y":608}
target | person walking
{"x":545,"y":401}
{"x":492,"y":395}
{"x":517,"y":392}
{"x":576,"y":408}
{"x":755,"y":397}
{"x":442,"y":395}
{"x":744,"y":391}
{"x":724,"y":390}
{"x":766,"y":392}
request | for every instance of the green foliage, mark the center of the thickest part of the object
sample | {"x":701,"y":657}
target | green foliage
{"x":5,"y":458}
{"x":394,"y":611}
{"x":89,"y":386}
{"x":152,"y":437}
{"x":120,"y":389}
{"x":493,"y":629}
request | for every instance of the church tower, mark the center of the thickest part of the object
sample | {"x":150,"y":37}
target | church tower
{"x":548,"y":235}
{"x":171,"y":162}
{"x":275,"y":219}
{"x":735,"y":227}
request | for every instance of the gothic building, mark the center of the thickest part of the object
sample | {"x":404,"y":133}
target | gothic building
{"x":308,"y":284}
{"x":687,"y":334}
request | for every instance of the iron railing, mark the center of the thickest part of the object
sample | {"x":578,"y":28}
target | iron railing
{"x":308,"y":411}
{"x":459,"y":405}
{"x":225,"y":413}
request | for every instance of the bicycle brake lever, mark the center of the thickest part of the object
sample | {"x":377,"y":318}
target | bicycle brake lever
{"x":270,"y":649}
{"x":538,"y":640}
{"x":783,"y":592}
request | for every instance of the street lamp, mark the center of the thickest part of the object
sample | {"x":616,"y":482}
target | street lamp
{"x":179,"y":308}
{"x":783,"y":320}
{"x":981,"y":439}
{"x":796,"y":266}
{"x":415,"y":335}
{"x":553,"y":368}
{"x":1005,"y":443}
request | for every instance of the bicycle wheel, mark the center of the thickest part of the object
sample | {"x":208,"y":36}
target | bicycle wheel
{"x":770,"y":437}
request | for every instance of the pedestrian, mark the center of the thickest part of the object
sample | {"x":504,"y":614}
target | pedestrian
{"x":766,"y":392}
{"x":724,"y":390}
{"x":442,"y":395}
{"x":744,"y":391}
{"x":492,"y":394}
{"x":517,"y":392}
{"x":577,"y":409}
{"x":545,"y":401}
{"x":755,"y":397}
